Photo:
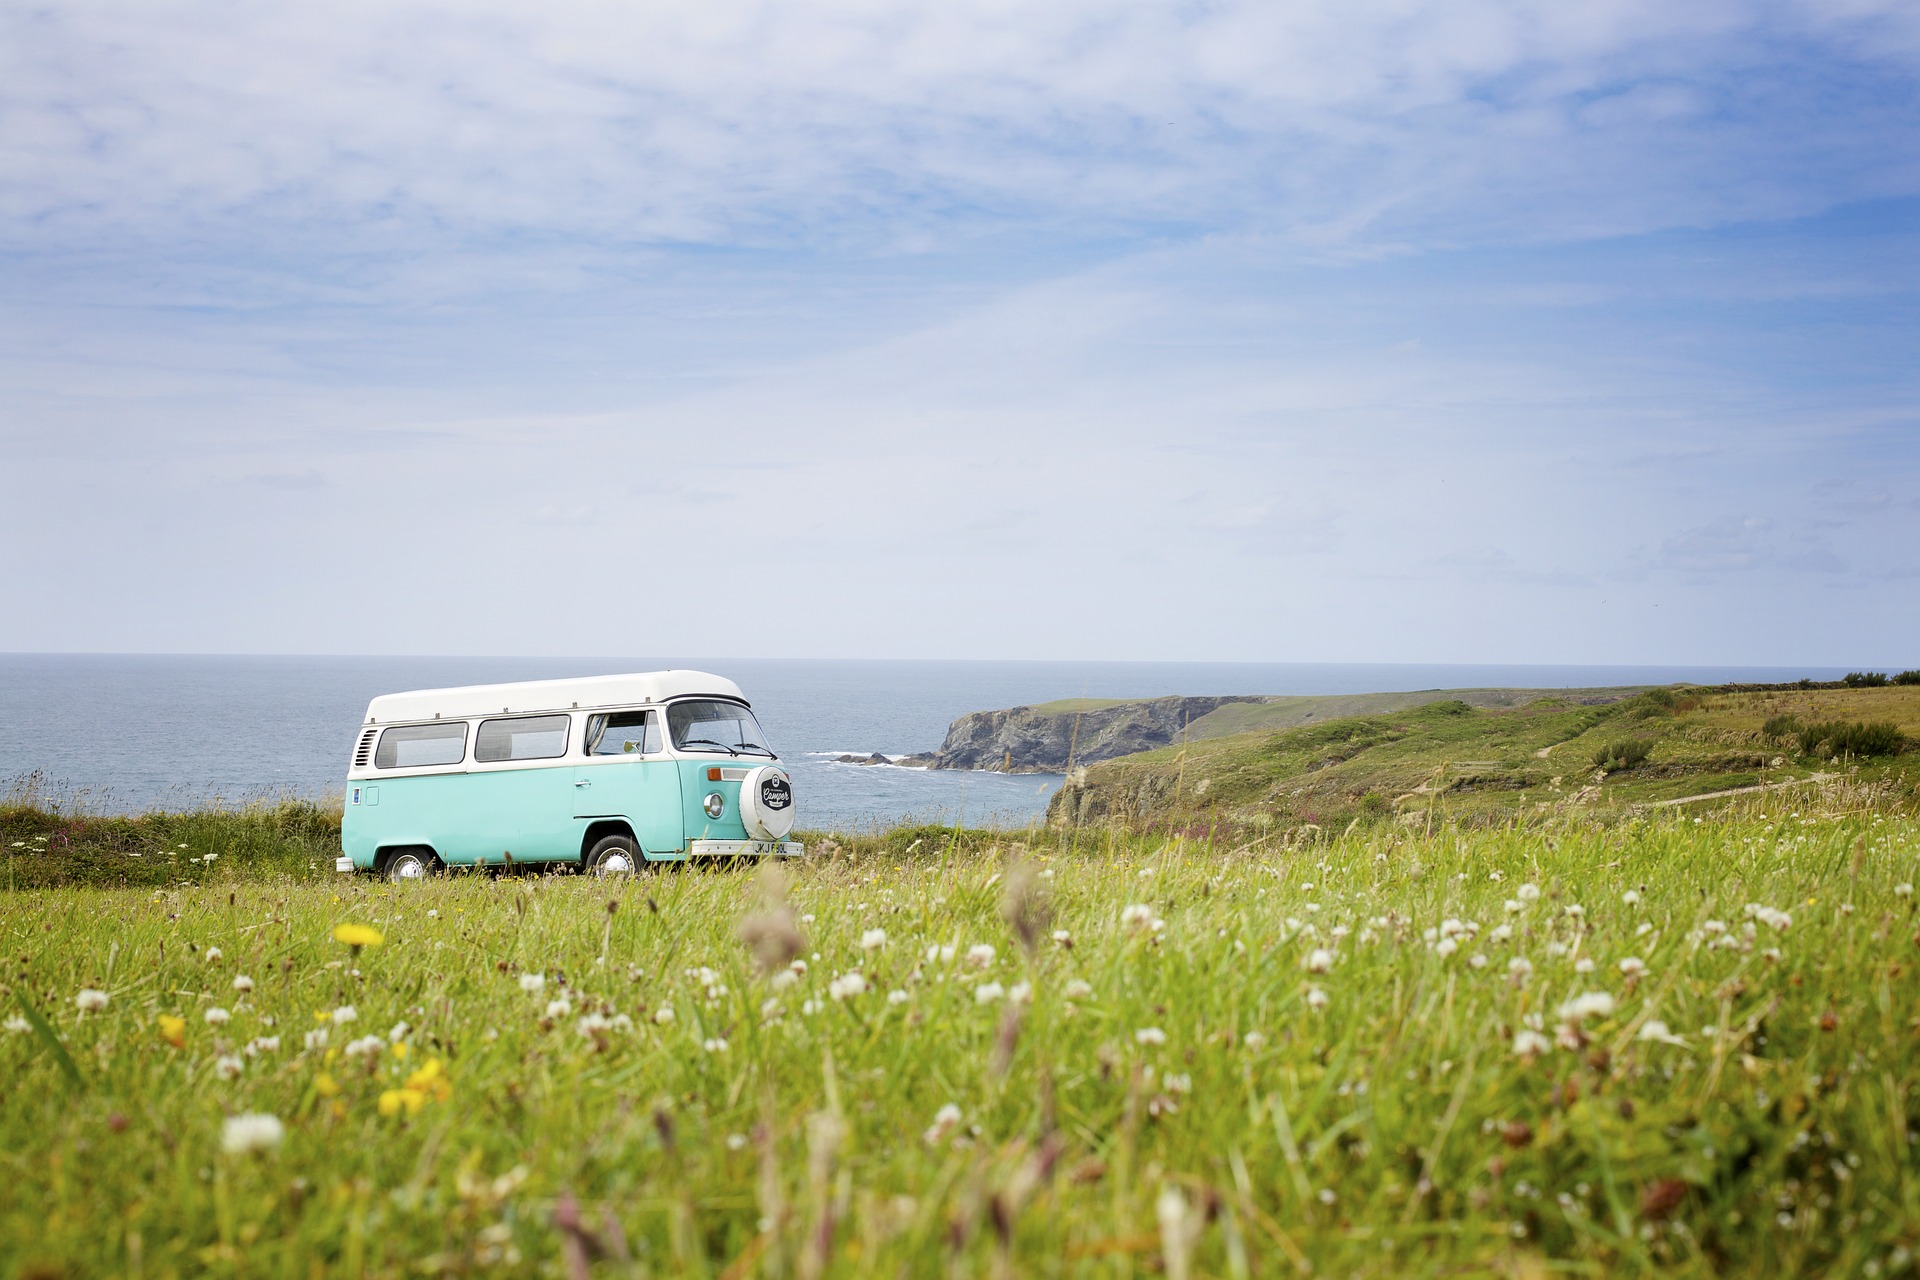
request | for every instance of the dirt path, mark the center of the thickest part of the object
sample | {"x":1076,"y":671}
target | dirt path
{"x":1740,"y":791}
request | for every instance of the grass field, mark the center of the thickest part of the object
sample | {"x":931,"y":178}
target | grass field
{"x":1551,"y":1048}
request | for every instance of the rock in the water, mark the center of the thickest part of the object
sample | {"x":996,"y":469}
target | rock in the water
{"x":1033,"y":740}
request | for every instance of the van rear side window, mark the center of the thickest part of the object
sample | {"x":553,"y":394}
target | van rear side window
{"x":411,"y":746}
{"x":521,"y":738}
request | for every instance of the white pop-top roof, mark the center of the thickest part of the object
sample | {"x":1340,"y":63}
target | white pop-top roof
{"x":547,"y":695}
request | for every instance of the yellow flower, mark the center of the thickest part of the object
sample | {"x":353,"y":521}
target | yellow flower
{"x":400,"y":1050}
{"x":430,"y":1081}
{"x":393,"y":1100}
{"x":173,"y":1030}
{"x":323,"y":1015}
{"x":324,"y":1085}
{"x":357,"y":935}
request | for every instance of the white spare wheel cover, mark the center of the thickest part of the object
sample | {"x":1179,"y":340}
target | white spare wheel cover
{"x":766,"y":803}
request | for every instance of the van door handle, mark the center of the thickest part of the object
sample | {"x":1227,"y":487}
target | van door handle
{"x":583,"y":782}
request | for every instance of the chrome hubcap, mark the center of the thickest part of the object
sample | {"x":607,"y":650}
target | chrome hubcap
{"x":409,"y":869}
{"x":616,"y":864}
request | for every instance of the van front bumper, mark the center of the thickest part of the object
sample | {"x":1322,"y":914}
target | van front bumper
{"x":343,"y":864}
{"x":746,"y":848}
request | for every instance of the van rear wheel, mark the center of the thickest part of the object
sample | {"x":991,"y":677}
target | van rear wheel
{"x":613,"y":856}
{"x":404,"y":865}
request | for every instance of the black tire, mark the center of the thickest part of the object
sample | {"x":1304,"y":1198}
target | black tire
{"x":614,"y":855}
{"x":414,"y":863}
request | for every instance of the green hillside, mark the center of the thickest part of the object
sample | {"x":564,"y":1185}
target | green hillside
{"x":1659,"y":747}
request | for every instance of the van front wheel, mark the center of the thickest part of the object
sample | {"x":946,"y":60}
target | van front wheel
{"x":613,"y":856}
{"x":411,"y":864}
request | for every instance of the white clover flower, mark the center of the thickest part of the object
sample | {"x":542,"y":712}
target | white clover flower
{"x":1177,"y":1083}
{"x":1642,"y":930}
{"x":1063,"y":937}
{"x":1584,"y":965}
{"x":592,"y":1025}
{"x":663,"y":1015}
{"x":1633,"y":966}
{"x":1477,"y":961}
{"x":228,"y":1067}
{"x":1520,"y":968}
{"x":1136,"y":915}
{"x":432,"y":914}
{"x":214,"y":954}
{"x":945,"y":1121}
{"x":939,"y":955}
{"x":1078,"y":989}
{"x":344,"y":1014}
{"x":1445,"y":947}
{"x":242,"y":983}
{"x":807,"y":918}
{"x":17,"y":1025}
{"x":364,"y":1047}
{"x":1319,"y":960}
{"x":532,"y":982}
{"x":91,"y":1000}
{"x":1150,"y":1035}
{"x":317,"y":1039}
{"x":1528,"y":1043}
{"x":1528,"y":892}
{"x":784,"y":979}
{"x":1654,"y":1029}
{"x":1254,"y":1040}
{"x":714,"y":1044}
{"x":217,"y":1017}
{"x":988,"y":992}
{"x":811,"y":1007}
{"x":897,"y":996}
{"x":1515,"y":906}
{"x":1500,"y":933}
{"x":1575,"y":911}
{"x":1713,"y":926}
{"x":1594,"y":1004}
{"x":1903,"y":890}
{"x":559,"y":1008}
{"x":798,"y":968}
{"x":241,"y":1135}
{"x":1556,"y":950}
{"x":1021,"y":993}
{"x":263,"y":1044}
{"x":873,"y":939}
{"x":1316,"y":999}
{"x":850,"y":983}
{"x":397,"y":1032}
{"x":980,"y":955}
{"x":1778,"y":920}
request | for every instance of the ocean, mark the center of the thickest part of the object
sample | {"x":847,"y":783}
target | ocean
{"x":125,"y":733}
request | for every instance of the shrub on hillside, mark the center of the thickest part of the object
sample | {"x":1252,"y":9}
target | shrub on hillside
{"x":1842,"y":738}
{"x":1778,"y":728}
{"x":1624,"y":754}
{"x":1907,"y":677}
{"x":1864,"y":679}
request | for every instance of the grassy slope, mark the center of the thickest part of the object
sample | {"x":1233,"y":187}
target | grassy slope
{"x":1480,"y":761}
{"x":1394,"y":1133}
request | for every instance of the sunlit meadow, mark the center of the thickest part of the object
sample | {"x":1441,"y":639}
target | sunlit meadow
{"x":1671,"y":1045}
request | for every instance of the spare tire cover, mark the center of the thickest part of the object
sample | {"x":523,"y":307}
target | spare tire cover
{"x":766,"y":803}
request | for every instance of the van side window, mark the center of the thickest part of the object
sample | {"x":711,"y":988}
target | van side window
{"x":623,"y":732}
{"x":411,"y":746}
{"x":521,"y":738}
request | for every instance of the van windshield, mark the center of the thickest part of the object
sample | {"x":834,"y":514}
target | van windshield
{"x":701,"y":724}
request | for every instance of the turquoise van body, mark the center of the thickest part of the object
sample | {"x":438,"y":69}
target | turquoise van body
{"x":599,"y":773}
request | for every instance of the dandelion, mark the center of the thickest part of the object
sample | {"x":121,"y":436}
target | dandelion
{"x":1316,"y":999}
{"x":980,"y":955}
{"x":217,"y":1017}
{"x":173,"y":1030}
{"x":1150,"y":1035}
{"x":1633,"y":967}
{"x":246,"y":1134}
{"x":91,"y":1000}
{"x":873,"y":939}
{"x":1319,"y":960}
{"x":663,"y":1015}
{"x":850,"y":983}
{"x":1528,"y":1043}
{"x":344,"y":1014}
{"x":945,"y":1121}
{"x":532,"y":982}
{"x":988,"y":992}
{"x":1078,"y":989}
{"x":356,"y":936}
{"x":228,"y":1067}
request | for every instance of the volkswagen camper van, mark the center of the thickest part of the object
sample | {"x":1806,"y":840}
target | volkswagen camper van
{"x":599,"y":773}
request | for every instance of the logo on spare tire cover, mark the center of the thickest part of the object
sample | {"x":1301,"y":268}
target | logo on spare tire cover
{"x":775,"y":793}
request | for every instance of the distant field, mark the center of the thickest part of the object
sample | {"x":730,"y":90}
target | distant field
{"x":1559,"y":1047}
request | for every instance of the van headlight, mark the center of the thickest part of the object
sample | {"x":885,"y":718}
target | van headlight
{"x":715,"y":804}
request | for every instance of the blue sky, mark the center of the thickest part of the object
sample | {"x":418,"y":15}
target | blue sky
{"x":1471,"y":331}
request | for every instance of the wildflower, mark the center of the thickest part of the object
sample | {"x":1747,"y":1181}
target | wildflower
{"x":1178,"y":1084}
{"x":897,"y":997}
{"x":173,"y":1030}
{"x":314,"y":1039}
{"x":811,"y":1007}
{"x":1584,"y":965}
{"x":1528,"y":892}
{"x":1654,"y":1029}
{"x":17,"y":1025}
{"x":1150,"y":1035}
{"x":1136,"y":915}
{"x":217,"y":1017}
{"x":980,"y":955}
{"x":1515,"y":906}
{"x":228,"y":1067}
{"x":1316,"y":999}
{"x":988,"y":992}
{"x":663,"y":1015}
{"x":1254,"y":1040}
{"x":1903,"y":890}
{"x":1520,"y":968}
{"x":213,"y":955}
{"x":1500,"y":933}
{"x":1065,"y":939}
{"x":398,"y":1032}
{"x":345,"y":1013}
{"x":1477,"y":960}
{"x":784,"y":979}
{"x":559,"y":1008}
{"x":1021,"y":993}
{"x":1528,"y":1043}
{"x":1319,"y":960}
{"x":1079,"y":989}
{"x":325,"y":1085}
{"x":242,"y":983}
{"x":1445,"y":947}
{"x":850,"y":983}
{"x":1594,"y":1004}
{"x":532,"y":982}
{"x":244,"y":1134}
{"x":714,"y":1044}
{"x":356,"y":936}
{"x":939,"y":954}
{"x":263,"y":1044}
{"x":90,"y":1000}
{"x":873,"y":939}
{"x":1575,"y":911}
{"x":945,"y":1121}
{"x":365,"y":1047}
{"x":1633,"y":967}
{"x":1778,"y":920}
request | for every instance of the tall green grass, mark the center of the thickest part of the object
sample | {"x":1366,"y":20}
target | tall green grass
{"x":1349,"y":1057}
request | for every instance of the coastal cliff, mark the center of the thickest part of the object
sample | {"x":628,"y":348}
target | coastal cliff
{"x":1049,"y":738}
